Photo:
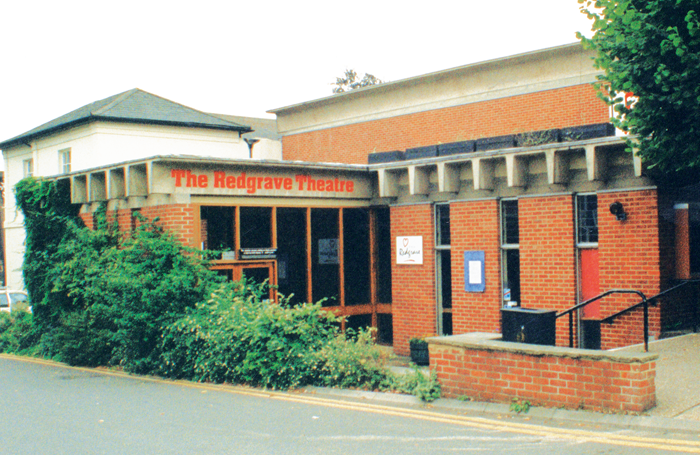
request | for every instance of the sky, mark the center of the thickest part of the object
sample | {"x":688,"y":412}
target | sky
{"x":247,"y":57}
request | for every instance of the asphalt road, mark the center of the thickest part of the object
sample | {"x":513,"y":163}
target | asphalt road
{"x":52,"y":409}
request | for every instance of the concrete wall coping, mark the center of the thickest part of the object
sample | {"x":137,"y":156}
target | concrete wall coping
{"x":492,"y":342}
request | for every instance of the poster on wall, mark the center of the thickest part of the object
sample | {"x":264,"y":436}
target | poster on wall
{"x":328,"y":251}
{"x":474,"y":271}
{"x":409,"y":250}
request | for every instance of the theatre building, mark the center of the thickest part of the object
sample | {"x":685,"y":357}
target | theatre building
{"x":424,"y":206}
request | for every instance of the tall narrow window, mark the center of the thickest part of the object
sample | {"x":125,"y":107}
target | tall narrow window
{"x":64,"y":161}
{"x":586,"y":219}
{"x":28,"y":167}
{"x":510,"y":252}
{"x":443,"y":265}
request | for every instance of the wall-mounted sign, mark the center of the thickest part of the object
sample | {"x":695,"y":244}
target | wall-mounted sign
{"x":328,"y":251}
{"x":257,"y":253}
{"x":228,"y":255}
{"x":256,"y":183}
{"x":474,"y":271}
{"x":409,"y":250}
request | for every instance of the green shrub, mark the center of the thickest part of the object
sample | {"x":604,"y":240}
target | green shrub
{"x":16,"y":331}
{"x":427,"y":388}
{"x":113,"y":296}
{"x":351,"y":361}
{"x":240,"y":336}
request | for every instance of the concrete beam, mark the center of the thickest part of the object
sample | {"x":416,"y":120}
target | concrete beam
{"x":97,"y":187}
{"x":115,"y":184}
{"x":136,"y":180}
{"x":448,"y":178}
{"x":637,"y":161}
{"x":79,"y":192}
{"x":516,"y":175}
{"x":595,"y":163}
{"x":483,"y":170}
{"x":418,"y":180}
{"x":388,"y":183}
{"x":557,"y":167}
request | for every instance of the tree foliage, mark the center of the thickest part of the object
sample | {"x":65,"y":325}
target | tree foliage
{"x":350,"y":81}
{"x":651,"y":48}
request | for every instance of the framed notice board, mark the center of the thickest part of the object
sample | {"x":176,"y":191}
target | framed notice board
{"x":474,"y":271}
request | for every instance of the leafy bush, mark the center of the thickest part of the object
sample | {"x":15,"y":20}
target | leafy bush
{"x":427,"y":388}
{"x":113,"y":295}
{"x":240,"y":336}
{"x":351,"y":361}
{"x":16,"y":332}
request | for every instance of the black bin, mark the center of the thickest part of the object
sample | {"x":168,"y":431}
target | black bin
{"x":529,"y":325}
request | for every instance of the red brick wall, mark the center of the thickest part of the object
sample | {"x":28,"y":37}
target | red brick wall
{"x":547,"y":256}
{"x":176,"y":218}
{"x":413,"y":286}
{"x":629,"y":258}
{"x":569,"y":106}
{"x":552,"y":381}
{"x":474,"y":226}
{"x":88,"y":220}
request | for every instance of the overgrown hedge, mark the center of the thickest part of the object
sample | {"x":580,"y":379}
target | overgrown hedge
{"x":146,"y":303}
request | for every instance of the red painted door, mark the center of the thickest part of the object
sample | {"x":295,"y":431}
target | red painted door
{"x":590,"y":281}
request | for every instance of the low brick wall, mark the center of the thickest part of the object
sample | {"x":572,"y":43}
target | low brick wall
{"x":484,"y":368}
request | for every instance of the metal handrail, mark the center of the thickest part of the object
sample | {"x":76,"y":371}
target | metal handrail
{"x":645,"y":303}
{"x":571,"y":310}
{"x":609,"y":320}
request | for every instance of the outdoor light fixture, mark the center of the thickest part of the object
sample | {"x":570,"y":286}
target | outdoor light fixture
{"x":618,"y":210}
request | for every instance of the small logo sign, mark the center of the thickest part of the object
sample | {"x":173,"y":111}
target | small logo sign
{"x":409,"y":250}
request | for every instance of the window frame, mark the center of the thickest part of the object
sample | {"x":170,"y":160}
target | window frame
{"x":577,"y":218}
{"x":28,"y":167}
{"x":64,"y":165}
{"x":507,"y":248}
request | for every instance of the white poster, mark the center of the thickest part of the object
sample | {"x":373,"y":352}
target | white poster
{"x":409,"y":250}
{"x":328,"y":251}
{"x":474,"y":272}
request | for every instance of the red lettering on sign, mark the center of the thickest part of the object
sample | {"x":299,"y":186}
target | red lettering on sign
{"x":177,"y":174}
{"x":219,"y":179}
{"x":250,"y":184}
{"x":253,"y":183}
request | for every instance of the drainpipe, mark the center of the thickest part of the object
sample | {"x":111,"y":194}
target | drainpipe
{"x":251,"y":143}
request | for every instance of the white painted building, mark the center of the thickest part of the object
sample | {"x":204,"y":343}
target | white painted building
{"x":127,"y":126}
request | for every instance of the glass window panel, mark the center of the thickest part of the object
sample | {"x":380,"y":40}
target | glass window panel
{"x":442,"y":223}
{"x":511,"y":280}
{"x":509,"y":219}
{"x":325,"y":264}
{"x":356,"y":256}
{"x":218,"y":223}
{"x":383,"y":233}
{"x":256,"y":227}
{"x":291,"y":253}
{"x":587,"y":218}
